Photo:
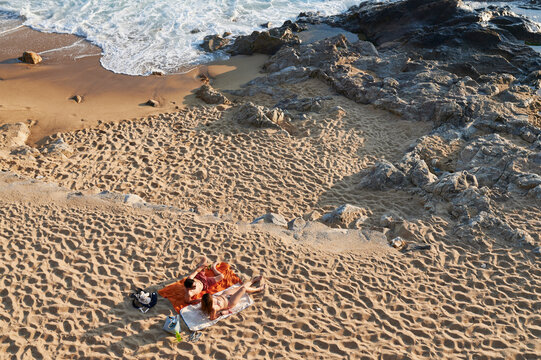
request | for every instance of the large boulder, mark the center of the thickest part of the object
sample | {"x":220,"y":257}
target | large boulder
{"x":30,"y":57}
{"x":211,"y":96}
{"x":264,"y":42}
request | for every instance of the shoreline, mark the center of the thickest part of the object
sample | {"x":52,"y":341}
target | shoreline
{"x":40,"y":95}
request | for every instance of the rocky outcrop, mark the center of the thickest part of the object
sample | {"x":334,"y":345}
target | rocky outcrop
{"x":264,"y":42}
{"x":314,"y":104}
{"x":259,"y":116}
{"x":212,"y":43}
{"x":383,"y":175}
{"x":211,"y":96}
{"x":30,"y":57}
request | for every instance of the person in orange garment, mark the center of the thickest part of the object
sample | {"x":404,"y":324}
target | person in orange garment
{"x":217,"y":305}
{"x":197,"y":281}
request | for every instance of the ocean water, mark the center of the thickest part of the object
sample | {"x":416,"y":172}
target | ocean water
{"x":140,"y":36}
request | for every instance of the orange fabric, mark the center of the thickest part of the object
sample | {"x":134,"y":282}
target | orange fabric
{"x":176,"y":292}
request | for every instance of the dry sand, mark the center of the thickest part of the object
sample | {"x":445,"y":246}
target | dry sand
{"x":69,"y":261}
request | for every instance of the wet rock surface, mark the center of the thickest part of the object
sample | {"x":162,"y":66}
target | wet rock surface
{"x":30,"y":57}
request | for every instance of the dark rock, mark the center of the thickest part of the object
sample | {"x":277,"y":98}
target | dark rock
{"x":77,"y":98}
{"x":383,"y":175}
{"x":152,"y":103}
{"x":449,"y":185}
{"x":195,"y":31}
{"x":211,"y":96}
{"x":259,"y":116}
{"x":265,"y":42}
{"x":213,"y":43}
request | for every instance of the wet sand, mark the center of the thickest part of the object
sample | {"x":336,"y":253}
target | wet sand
{"x":40,"y":95}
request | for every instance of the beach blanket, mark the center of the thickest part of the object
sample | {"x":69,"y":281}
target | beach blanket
{"x":176,"y":292}
{"x":196,"y":320}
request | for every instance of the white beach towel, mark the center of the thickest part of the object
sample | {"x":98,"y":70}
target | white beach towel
{"x":196,"y":320}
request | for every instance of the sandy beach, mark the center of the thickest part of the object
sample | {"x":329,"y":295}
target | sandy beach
{"x":100,"y":197}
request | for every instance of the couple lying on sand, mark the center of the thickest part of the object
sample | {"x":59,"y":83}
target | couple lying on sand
{"x":216,"y":305}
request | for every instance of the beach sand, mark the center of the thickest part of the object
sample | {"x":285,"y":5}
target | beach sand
{"x":69,"y":258}
{"x":40,"y":95}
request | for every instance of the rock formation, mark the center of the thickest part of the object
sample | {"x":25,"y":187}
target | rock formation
{"x":30,"y":57}
{"x":211,"y":96}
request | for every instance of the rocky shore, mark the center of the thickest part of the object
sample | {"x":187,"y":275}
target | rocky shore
{"x":385,"y":178}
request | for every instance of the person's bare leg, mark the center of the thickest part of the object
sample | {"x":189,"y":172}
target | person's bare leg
{"x":261,"y":280}
{"x":236,"y":296}
{"x":218,"y":275}
{"x":203,"y":261}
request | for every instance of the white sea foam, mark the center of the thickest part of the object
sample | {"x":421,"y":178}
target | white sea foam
{"x":138,"y":36}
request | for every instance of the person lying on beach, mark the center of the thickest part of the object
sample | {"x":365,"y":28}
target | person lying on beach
{"x":217,"y":305}
{"x":197,"y":281}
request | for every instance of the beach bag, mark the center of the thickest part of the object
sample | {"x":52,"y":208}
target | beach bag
{"x":172,"y":324}
{"x":143,"y":300}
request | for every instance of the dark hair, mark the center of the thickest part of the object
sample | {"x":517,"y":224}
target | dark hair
{"x":206,"y":304}
{"x":189,"y":283}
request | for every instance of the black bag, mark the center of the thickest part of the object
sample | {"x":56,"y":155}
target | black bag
{"x":143,"y":301}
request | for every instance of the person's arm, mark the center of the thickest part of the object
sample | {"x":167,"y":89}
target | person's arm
{"x":213,"y":315}
{"x":187,"y":297}
{"x":196,"y":271}
{"x":223,"y":312}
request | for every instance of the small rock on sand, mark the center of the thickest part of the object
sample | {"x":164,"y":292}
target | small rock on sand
{"x":30,"y":57}
{"x":296,"y":224}
{"x":152,"y":103}
{"x":77,"y":98}
{"x":346,"y":215}
{"x":271,"y":218}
